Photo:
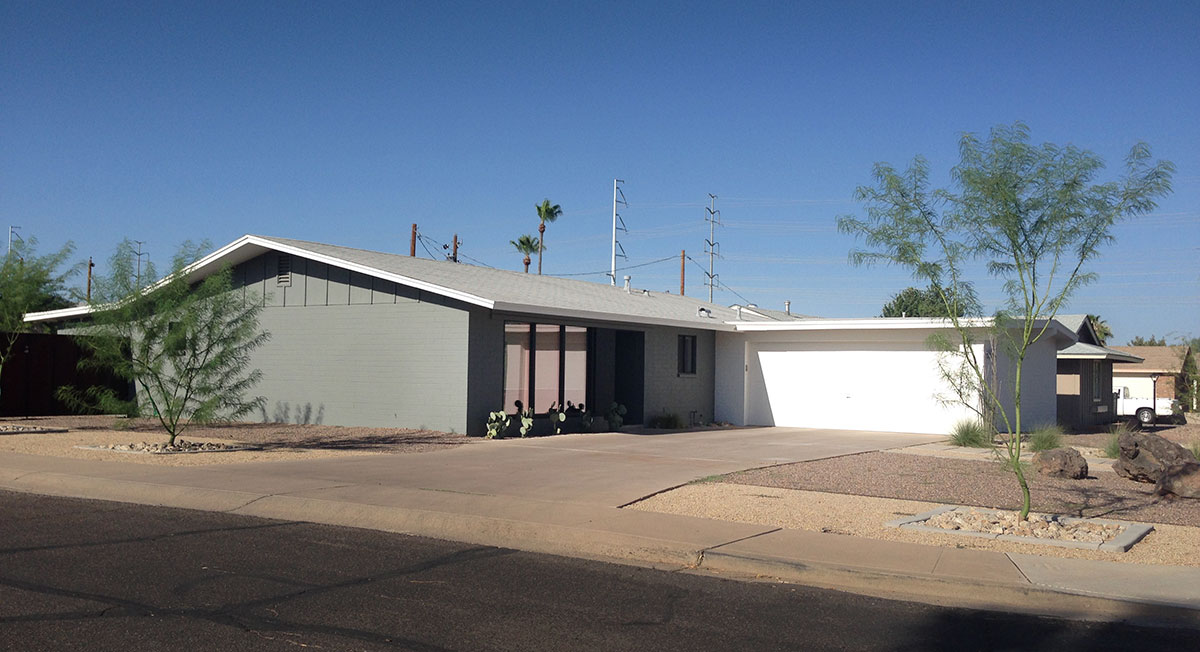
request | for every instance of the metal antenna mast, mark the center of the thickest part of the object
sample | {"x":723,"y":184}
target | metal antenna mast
{"x":711,"y":246}
{"x":618,"y":199}
{"x":12,"y":231}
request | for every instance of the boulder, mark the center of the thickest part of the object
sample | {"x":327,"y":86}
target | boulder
{"x":1181,"y":480}
{"x":1061,"y":463}
{"x":1144,"y":456}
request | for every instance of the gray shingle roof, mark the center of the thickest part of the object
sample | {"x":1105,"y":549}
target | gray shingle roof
{"x":530,"y":293}
{"x":1083,"y":350}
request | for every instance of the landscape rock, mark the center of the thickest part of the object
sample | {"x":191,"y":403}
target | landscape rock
{"x":1039,"y":526}
{"x":1061,"y":463}
{"x":1144,"y":456}
{"x":1181,"y":480}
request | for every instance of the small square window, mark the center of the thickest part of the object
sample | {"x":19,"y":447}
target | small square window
{"x":687,"y":354}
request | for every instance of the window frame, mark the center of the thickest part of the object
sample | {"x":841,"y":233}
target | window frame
{"x":686,"y":355}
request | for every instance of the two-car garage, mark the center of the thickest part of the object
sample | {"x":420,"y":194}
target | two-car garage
{"x":866,"y":374}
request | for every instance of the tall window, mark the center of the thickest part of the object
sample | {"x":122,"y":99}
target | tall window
{"x":544,"y":364}
{"x":687,"y":354}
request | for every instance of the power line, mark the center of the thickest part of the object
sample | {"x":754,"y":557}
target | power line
{"x":618,"y":269}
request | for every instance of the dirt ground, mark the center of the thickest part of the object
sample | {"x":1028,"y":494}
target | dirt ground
{"x":278,"y":441}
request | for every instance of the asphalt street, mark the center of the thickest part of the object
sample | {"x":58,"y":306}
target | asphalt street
{"x":79,"y":574}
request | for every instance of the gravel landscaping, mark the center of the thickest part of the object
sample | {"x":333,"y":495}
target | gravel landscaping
{"x":276,"y":441}
{"x":973,"y":482}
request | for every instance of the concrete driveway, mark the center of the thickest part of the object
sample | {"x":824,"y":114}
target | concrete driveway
{"x":609,"y":469}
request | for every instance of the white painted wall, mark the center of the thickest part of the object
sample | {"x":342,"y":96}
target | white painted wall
{"x":850,"y":380}
{"x":730,"y":380}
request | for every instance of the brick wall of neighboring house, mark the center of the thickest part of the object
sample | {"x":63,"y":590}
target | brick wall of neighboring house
{"x":1165,"y":387}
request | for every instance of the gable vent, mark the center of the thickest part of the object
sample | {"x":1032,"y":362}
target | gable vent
{"x":283,"y":272}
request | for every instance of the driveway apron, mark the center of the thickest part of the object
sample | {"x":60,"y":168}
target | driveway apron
{"x":609,"y":469}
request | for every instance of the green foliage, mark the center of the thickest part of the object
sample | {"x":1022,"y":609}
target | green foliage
{"x":526,"y":418}
{"x":668,"y":421}
{"x":30,"y":283}
{"x":971,"y":433}
{"x":1103,"y":332}
{"x":1152,"y":341}
{"x":1186,"y":385}
{"x":497,"y":424}
{"x":557,"y":417}
{"x":1112,"y":446}
{"x":526,"y":245}
{"x":185,"y":346}
{"x":911,"y":302}
{"x":1194,"y":447}
{"x":1044,"y":438}
{"x":1032,"y":215}
{"x":586,"y":421}
{"x":615,"y":416}
{"x":547,"y":213}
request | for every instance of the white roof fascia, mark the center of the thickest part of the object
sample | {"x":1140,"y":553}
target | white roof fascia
{"x":591,"y":315}
{"x":886,"y":323}
{"x":54,"y":315}
{"x":262,"y":244}
{"x":874,"y":323}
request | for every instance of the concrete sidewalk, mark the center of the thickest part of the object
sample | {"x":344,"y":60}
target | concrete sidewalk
{"x":562,"y":496}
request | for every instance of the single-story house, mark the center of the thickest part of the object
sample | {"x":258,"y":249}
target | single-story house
{"x":1085,"y":376}
{"x":1163,"y":362}
{"x":376,"y":339}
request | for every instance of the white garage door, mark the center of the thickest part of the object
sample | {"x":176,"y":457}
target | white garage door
{"x":869,"y":386}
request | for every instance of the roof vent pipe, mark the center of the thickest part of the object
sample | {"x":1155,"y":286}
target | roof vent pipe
{"x":787,"y":307}
{"x":738,"y":310}
{"x":628,"y":287}
{"x":701,"y":311}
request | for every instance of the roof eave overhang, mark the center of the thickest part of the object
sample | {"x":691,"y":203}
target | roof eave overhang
{"x":250,"y":246}
{"x":534,"y":312}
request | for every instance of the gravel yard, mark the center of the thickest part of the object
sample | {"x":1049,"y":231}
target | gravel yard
{"x":279,"y":441}
{"x":974,"y":482}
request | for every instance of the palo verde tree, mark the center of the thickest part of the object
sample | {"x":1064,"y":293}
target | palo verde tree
{"x":185,"y":345}
{"x":1030,"y":215}
{"x":547,"y":212}
{"x":527,"y":245}
{"x":30,"y":283}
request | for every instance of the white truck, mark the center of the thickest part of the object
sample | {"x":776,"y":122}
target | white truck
{"x":1134,"y":401}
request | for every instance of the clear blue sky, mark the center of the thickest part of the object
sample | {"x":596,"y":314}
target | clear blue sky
{"x":345,"y":124}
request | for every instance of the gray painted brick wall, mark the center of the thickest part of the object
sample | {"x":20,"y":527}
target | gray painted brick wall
{"x":667,"y":391}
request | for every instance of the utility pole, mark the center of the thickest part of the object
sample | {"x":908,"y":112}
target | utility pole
{"x":618,"y":198}
{"x":139,"y":263}
{"x":412,"y":243}
{"x":89,"y":287}
{"x":11,"y":232}
{"x":454,"y":254}
{"x":682,"y":269}
{"x":711,"y":246}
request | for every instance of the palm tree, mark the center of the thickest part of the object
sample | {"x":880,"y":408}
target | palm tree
{"x":547,"y":212}
{"x":1103,"y":332}
{"x":526,"y":245}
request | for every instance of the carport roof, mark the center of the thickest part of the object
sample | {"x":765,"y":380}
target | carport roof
{"x":1082,"y":351}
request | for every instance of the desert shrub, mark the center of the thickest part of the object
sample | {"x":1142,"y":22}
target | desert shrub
{"x":1194,"y":446}
{"x":971,"y":433}
{"x":1044,"y":438}
{"x":668,"y":421}
{"x":1112,"y":447}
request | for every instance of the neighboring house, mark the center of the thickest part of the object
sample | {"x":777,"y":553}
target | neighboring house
{"x":376,"y":339}
{"x":1163,"y":362}
{"x":1085,"y":376}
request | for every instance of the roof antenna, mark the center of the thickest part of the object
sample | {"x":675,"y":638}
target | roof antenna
{"x":711,"y":246}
